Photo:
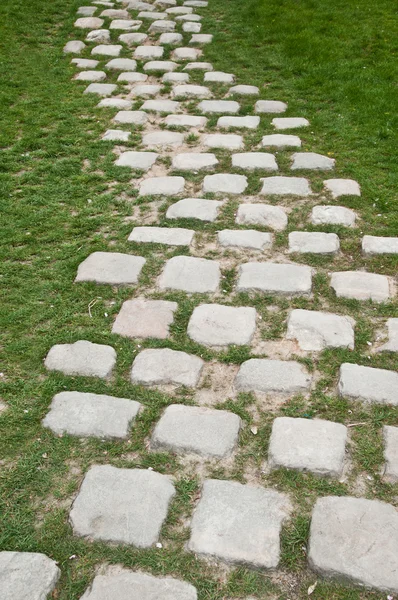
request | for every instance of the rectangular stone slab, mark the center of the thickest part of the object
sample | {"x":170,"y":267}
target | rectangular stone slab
{"x":377,"y":386}
{"x":239,"y":524}
{"x":172,"y":236}
{"x":196,"y":430}
{"x":126,"y":506}
{"x":27,"y":576}
{"x":162,"y":366}
{"x":356,"y":540}
{"x":144,"y":318}
{"x":267,"y":376}
{"x":275,"y":278}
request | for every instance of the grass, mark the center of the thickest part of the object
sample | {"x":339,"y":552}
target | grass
{"x":62,"y":198}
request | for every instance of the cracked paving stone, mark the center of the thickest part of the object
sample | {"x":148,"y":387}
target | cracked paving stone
{"x":142,"y":318}
{"x":275,"y":278}
{"x":315,"y":331}
{"x":125,"y":24}
{"x":162,"y":366}
{"x":99,"y":36}
{"x":82,"y":358}
{"x":110,"y":267}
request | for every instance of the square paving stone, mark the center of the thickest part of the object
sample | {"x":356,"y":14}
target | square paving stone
{"x":248,"y":238}
{"x":172,"y":236}
{"x":279,"y":140}
{"x":82,"y":358}
{"x":162,"y":186}
{"x":272,"y":376}
{"x":312,"y":160}
{"x":372,"y":244}
{"x":145,"y":318}
{"x":390,"y":435}
{"x":255,"y":160}
{"x":27,"y":576}
{"x":218,"y":325}
{"x":376,"y":386}
{"x":239,"y":524}
{"x":219,"y":106}
{"x":195,"y":208}
{"x":74,"y":47}
{"x":314,"y":242}
{"x":315,"y":331}
{"x":190,"y":274}
{"x":126,"y":506}
{"x":224,"y":183}
{"x":275,"y":278}
{"x":194,"y":161}
{"x":196,"y":430}
{"x":342,"y":187}
{"x":110,"y":267}
{"x":314,"y":445}
{"x":333,"y":215}
{"x":164,"y":366}
{"x":356,"y":540}
{"x":361,"y":286}
{"x":285,"y":186}
{"x":265,"y":215}
{"x":270,"y":106}
{"x":118,"y":583}
{"x":392,"y":344}
{"x":86,"y":415}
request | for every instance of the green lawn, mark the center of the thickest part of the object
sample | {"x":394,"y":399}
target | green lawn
{"x":334,"y":63}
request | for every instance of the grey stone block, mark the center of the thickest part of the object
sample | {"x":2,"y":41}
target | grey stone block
{"x":175,"y":78}
{"x":82,"y":358}
{"x":133,"y":39}
{"x":89,"y":23}
{"x":333,"y":215}
{"x":99,"y":36}
{"x":179,"y":10}
{"x":248,"y":238}
{"x":86,"y":11}
{"x":190,"y":274}
{"x":141,"y":318}
{"x":74,"y":47}
{"x":239,"y":524}
{"x":125,"y":24}
{"x":254,"y":160}
{"x":265,"y":215}
{"x":272,"y":376}
{"x":84,"y":63}
{"x":132,"y":77}
{"x":194,"y":208}
{"x":117,"y":103}
{"x":218,"y":325}
{"x":201,"y":38}
{"x":312,"y":160}
{"x":164,"y":366}
{"x":145,"y":90}
{"x":270,"y":106}
{"x":218,"y":77}
{"x":279,"y":140}
{"x":342,"y":187}
{"x":315,"y":445}
{"x":196,"y":430}
{"x":27,"y":576}
{"x":90,"y":76}
{"x":285,"y":186}
{"x":121,"y":64}
{"x":131,"y":117}
{"x":170,"y":38}
{"x":119,"y":583}
{"x":162,"y":186}
{"x":116,"y":135}
{"x":186,"y":54}
{"x":126,"y":506}
{"x":161,"y":66}
{"x":193,"y":18}
{"x":148,"y":52}
{"x":248,"y":122}
{"x":161,"y":106}
{"x":219,"y":106}
{"x":275,"y":278}
{"x":289,"y":122}
{"x":101,"y":89}
{"x":86,"y":415}
{"x":315,"y":242}
{"x":390,"y":435}
{"x":229,"y":141}
{"x":140,"y":161}
{"x":185,"y":121}
{"x":172,"y":236}
{"x":392,"y":344}
{"x":115,"y":13}
{"x":224,"y":183}
{"x":191,"y":27}
{"x":191,"y":91}
{"x":315,"y":331}
{"x":107,"y":50}
{"x":110,"y":267}
{"x":194,"y":161}
{"x":376,"y":386}
{"x":152,"y":16}
{"x":356,"y":540}
{"x":163,"y":138}
{"x":379,"y":245}
{"x":162,"y":26}
{"x":361,"y":286}
{"x":244,"y":90}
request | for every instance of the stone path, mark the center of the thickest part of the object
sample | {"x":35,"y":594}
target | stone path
{"x":143,"y":61}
